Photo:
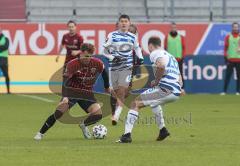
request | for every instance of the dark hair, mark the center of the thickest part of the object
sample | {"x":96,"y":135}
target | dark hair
{"x":134,"y":28}
{"x":124,"y":16}
{"x":116,"y":25}
{"x":88,"y":47}
{"x":71,"y":21}
{"x":173,"y":23}
{"x":235,"y":23}
{"x":154,"y":40}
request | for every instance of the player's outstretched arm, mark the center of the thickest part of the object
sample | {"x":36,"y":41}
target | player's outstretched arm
{"x":107,"y":46}
{"x":59,"y":53}
{"x":180,"y":80}
{"x":106,"y":80}
{"x":76,"y":52}
{"x":138,"y":50}
{"x":107,"y":54}
{"x":160,"y":69}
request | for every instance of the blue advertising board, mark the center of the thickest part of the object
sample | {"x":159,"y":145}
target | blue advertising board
{"x":213,"y":44}
{"x":202,"y":74}
{"x":206,"y":74}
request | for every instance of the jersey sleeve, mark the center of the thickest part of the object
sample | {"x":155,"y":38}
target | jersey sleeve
{"x":154,"y":56}
{"x":108,"y":41}
{"x":105,"y":79}
{"x":63,"y":40}
{"x":71,"y":68}
{"x":226,"y":44}
{"x":5,"y":46}
{"x":183,"y":46}
{"x":137,"y":48}
{"x":100,"y":66}
{"x":106,"y":50}
{"x":80,"y":40}
{"x":136,"y":43}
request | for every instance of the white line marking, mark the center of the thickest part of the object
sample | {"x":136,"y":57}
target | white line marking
{"x":203,"y":38}
{"x":37,"y":98}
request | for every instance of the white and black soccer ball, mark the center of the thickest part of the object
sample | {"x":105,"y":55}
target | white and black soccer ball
{"x":99,"y":131}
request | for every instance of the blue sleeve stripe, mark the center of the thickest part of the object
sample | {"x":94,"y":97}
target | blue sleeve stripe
{"x":169,"y":86}
{"x":169,"y":77}
{"x":122,"y":40}
{"x":131,"y":36}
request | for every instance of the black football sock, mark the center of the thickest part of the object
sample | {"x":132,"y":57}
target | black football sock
{"x":91,"y":119}
{"x":113,"y":102}
{"x":50,"y":121}
{"x":48,"y":124}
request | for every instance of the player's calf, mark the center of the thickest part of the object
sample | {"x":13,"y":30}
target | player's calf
{"x":94,"y":116}
{"x":51,"y":120}
{"x":120,"y":93}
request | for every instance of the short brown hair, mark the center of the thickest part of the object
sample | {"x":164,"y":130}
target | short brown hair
{"x":71,"y":21}
{"x":88,"y":47}
{"x":234,"y":23}
{"x":124,"y":16}
{"x":154,"y":40}
{"x":134,"y":27}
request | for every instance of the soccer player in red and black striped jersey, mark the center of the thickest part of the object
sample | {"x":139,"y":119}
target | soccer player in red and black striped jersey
{"x":72,"y":41}
{"x":80,"y":76}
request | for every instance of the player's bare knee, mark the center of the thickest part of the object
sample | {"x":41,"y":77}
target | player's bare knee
{"x":95,"y":109}
{"x":121,"y":91}
{"x":137,"y":104}
{"x":134,"y":104}
{"x":62,"y":107}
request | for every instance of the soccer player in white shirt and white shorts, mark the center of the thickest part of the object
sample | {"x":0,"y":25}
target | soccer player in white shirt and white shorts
{"x":118,"y":48}
{"x":164,"y":89}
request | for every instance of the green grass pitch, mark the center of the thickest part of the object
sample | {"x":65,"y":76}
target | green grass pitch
{"x":205,"y":130}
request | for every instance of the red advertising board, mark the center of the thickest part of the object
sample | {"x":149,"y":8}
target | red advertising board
{"x":44,"y":39}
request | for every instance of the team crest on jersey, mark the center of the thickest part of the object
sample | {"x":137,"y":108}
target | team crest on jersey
{"x":93,"y":70}
{"x":75,"y":41}
{"x":125,"y":47}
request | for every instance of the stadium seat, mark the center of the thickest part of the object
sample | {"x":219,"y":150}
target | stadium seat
{"x":139,"y":10}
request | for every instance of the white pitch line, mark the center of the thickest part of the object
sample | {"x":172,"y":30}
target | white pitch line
{"x":37,"y":98}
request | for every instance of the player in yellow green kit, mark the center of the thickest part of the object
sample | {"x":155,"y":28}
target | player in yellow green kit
{"x":4,"y":44}
{"x":175,"y":45}
{"x":232,"y":57}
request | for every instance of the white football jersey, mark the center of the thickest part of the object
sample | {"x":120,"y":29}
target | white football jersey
{"x":170,"y":79}
{"x":121,"y":44}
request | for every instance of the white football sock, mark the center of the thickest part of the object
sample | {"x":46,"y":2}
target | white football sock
{"x":132,"y":116}
{"x":157,"y":110}
{"x":117,"y":113}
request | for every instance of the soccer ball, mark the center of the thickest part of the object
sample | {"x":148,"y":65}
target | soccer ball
{"x":99,"y":131}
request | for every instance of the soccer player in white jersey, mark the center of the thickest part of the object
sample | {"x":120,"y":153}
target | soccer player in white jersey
{"x":165,"y":88}
{"x":119,"y":48}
